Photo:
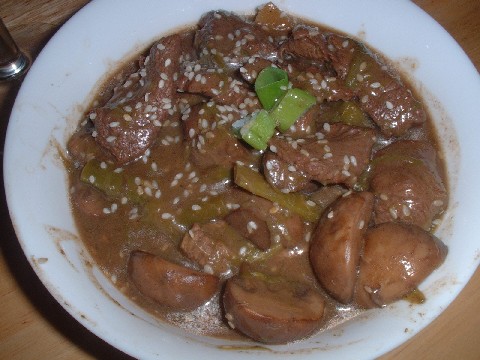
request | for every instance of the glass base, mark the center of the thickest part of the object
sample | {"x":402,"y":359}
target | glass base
{"x":15,"y":68}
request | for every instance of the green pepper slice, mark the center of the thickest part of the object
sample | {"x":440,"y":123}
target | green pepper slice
{"x":293,"y":105}
{"x":270,"y":86}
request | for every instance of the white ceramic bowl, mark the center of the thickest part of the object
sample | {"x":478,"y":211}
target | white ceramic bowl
{"x":62,"y":82}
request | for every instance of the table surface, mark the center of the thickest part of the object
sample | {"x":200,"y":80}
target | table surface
{"x":34,"y":326}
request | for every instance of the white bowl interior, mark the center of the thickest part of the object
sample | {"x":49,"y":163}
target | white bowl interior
{"x":61,"y":84}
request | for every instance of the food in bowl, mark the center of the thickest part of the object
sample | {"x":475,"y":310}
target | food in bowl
{"x":259,"y":176}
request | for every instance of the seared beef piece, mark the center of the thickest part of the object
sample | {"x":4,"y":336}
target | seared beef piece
{"x":408,"y":186}
{"x":382,"y":95}
{"x":396,"y":259}
{"x":252,"y":68}
{"x":284,"y":228}
{"x":337,"y":155}
{"x":317,"y":78}
{"x":213,"y":144}
{"x":89,"y":201}
{"x":306,"y":42}
{"x":217,"y":247}
{"x":272,"y":309}
{"x":337,"y":242}
{"x":82,"y":147}
{"x":169,"y":284}
{"x":227,"y":35}
{"x":283,"y":176}
{"x":306,"y":124}
{"x":251,"y":226}
{"x":129,"y":123}
{"x":222,"y":89}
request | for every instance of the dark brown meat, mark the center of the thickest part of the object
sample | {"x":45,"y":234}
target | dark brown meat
{"x":282,"y":176}
{"x":407,"y":184}
{"x":251,"y":226}
{"x":337,"y":242}
{"x":338,"y":155}
{"x":382,"y":95}
{"x":89,"y":201}
{"x":213,"y":144}
{"x":396,"y":259}
{"x":272,"y":310}
{"x":306,"y":42}
{"x":129,"y":123}
{"x":252,"y":68}
{"x":232,"y":38}
{"x":169,"y":284}
{"x":216,"y":247}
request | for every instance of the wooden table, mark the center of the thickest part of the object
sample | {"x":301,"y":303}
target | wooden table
{"x":34,"y":326}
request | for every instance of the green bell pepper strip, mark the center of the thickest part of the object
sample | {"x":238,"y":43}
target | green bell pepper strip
{"x":258,"y":130}
{"x":271,"y":86}
{"x":113,"y":184}
{"x":255,"y":183}
{"x":293,"y":105}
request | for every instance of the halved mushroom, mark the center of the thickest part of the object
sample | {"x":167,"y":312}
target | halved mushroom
{"x":337,"y":242}
{"x":397,"y":258}
{"x":169,"y":284}
{"x":271,"y":309}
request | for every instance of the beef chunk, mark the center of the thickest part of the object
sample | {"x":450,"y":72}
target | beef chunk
{"x":408,"y":186}
{"x":252,"y":68}
{"x":337,"y":155}
{"x":230,"y":36}
{"x":382,"y":95}
{"x":221,"y":88}
{"x":216,"y":247}
{"x":207,"y":126}
{"x":284,"y":228}
{"x":129,"y":123}
{"x":283,"y":176}
{"x":306,"y":42}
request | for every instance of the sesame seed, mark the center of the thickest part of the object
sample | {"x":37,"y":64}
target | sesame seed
{"x":326,"y":127}
{"x":393,"y":213}
{"x":375,"y":85}
{"x":166,"y":216}
{"x":364,"y":99}
{"x":111,"y":139}
{"x":361,"y":224}
{"x":363,"y":66}
{"x":438,"y":203}
{"x":383,"y":197}
{"x":311,"y":203}
{"x":327,"y":155}
{"x":196,"y":207}
{"x":389,"y":105}
{"x":273,"y":148}
{"x":91,"y":179}
{"x":330,"y":215}
{"x":406,"y":210}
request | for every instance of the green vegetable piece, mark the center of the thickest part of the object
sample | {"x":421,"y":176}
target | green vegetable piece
{"x":270,"y":86}
{"x":255,"y":183}
{"x":113,"y":184}
{"x":350,"y":113}
{"x":258,"y":130}
{"x":293,"y":105}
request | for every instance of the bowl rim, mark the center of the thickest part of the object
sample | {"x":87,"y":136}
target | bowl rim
{"x":40,"y":78}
